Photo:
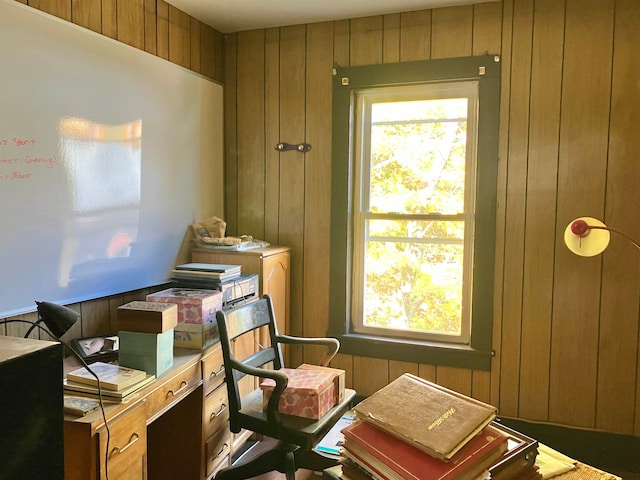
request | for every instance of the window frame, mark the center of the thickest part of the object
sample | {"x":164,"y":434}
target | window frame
{"x":347,"y":81}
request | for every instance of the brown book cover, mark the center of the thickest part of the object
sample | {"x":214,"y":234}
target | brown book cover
{"x":147,"y":317}
{"x":396,"y":459}
{"x":432,"y":418}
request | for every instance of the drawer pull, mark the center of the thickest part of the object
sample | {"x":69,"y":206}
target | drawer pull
{"x":223,"y":407}
{"x":171,"y":393}
{"x":216,"y":374}
{"x":117,"y":450}
{"x":222,"y":450}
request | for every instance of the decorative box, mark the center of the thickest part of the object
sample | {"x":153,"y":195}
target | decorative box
{"x":195,"y":306}
{"x":148,"y":317}
{"x":309,"y":393}
{"x":338,"y":379}
{"x":151,"y":352}
{"x":191,"y":335}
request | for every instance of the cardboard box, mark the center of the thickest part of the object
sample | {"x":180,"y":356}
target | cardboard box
{"x":338,"y":378}
{"x":190,"y":335}
{"x":309,"y":393}
{"x":195,"y":306}
{"x":151,"y":352}
{"x":147,"y":317}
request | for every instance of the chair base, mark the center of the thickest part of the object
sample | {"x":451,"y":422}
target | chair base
{"x":282,"y":457}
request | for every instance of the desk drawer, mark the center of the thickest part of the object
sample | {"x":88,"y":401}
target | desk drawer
{"x":172,"y":391}
{"x":217,"y":450}
{"x":216,"y":412}
{"x":212,"y":369}
{"x":127,"y":447}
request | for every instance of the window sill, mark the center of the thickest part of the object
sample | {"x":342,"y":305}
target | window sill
{"x":433,"y":353}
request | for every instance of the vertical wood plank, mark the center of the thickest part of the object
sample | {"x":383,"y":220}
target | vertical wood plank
{"x":179,"y":37}
{"x":58,"y":8}
{"x":162,"y":29}
{"x":110,"y":18}
{"x":317,"y":218}
{"x":487,"y":28}
{"x":369,"y":374}
{"x":515,"y":207}
{"x":540,"y":233}
{"x":481,"y":386}
{"x":428,"y":372}
{"x":130,"y":18}
{"x":292,"y":203}
{"x":272,"y":135}
{"x":231,"y":133}
{"x":415,"y":35}
{"x":581,"y":187}
{"x":251,"y":148}
{"x":341,"y":42}
{"x":501,"y":200}
{"x":397,"y":368}
{"x":195,"y":57}
{"x":366,"y":41}
{"x":618,"y":341}
{"x":452,"y":31}
{"x":95,"y":318}
{"x":458,"y":379}
{"x":87,"y":14}
{"x":150,"y":27}
{"x":391,"y":38}
{"x":344,"y":362}
{"x":208,"y":55}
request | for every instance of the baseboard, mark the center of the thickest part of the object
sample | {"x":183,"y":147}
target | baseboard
{"x":607,"y":451}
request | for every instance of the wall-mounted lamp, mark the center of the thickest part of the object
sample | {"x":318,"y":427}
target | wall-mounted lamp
{"x":587,"y":236}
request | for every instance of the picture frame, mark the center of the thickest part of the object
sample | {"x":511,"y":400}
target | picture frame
{"x":103,"y":348}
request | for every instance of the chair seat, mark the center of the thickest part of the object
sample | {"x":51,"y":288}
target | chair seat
{"x":305,"y":432}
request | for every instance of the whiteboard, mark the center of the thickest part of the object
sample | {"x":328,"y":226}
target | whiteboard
{"x":108,"y":154}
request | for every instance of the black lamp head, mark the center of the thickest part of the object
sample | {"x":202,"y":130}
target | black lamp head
{"x":57,"y":318}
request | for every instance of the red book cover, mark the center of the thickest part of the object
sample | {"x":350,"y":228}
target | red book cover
{"x":396,"y":459}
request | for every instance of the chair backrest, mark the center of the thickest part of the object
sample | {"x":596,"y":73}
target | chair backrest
{"x":240,"y":321}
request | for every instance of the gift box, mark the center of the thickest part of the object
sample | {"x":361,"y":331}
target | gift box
{"x":309,"y":393}
{"x":147,"y":317}
{"x":191,"y":335}
{"x":151,"y":352}
{"x":338,"y":379}
{"x":195,"y":306}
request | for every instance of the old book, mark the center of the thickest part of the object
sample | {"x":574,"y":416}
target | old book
{"x":432,"y":418}
{"x":79,"y":406}
{"x":113,"y":395}
{"x":112,"y":377}
{"x":396,"y":459}
{"x":147,"y":317}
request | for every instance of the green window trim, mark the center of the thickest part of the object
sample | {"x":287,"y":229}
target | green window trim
{"x":347,"y":80}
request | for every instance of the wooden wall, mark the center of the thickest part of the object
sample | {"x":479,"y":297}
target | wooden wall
{"x":565,"y":328}
{"x":157,"y":28}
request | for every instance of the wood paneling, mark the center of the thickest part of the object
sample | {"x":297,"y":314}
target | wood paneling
{"x":564,"y":327}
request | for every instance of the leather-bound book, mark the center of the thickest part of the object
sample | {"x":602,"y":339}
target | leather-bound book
{"x":432,"y":418}
{"x":388,"y":457}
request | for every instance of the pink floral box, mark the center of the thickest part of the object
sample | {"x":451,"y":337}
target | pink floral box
{"x":309,"y":393}
{"x":194,"y":305}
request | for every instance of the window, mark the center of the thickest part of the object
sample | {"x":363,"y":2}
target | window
{"x":413,"y":210}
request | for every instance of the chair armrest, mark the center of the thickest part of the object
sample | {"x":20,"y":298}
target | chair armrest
{"x":332,"y":344}
{"x":281,"y":379}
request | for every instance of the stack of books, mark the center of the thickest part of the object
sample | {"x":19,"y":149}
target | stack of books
{"x":117,"y":383}
{"x":205,"y":275}
{"x":415,"y":429}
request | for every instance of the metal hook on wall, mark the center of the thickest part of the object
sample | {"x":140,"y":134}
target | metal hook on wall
{"x":301,"y":147}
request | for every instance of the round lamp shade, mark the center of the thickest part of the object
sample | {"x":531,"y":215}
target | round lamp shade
{"x":585,"y":241}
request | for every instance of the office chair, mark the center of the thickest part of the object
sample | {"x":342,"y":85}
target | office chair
{"x":296,"y":436}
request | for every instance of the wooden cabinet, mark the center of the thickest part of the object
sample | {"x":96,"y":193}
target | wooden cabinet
{"x":272,"y":264}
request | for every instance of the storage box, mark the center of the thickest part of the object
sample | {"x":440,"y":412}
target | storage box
{"x":147,"y":317}
{"x":309,"y":393}
{"x":151,"y":352}
{"x":195,"y":306}
{"x":338,"y":379}
{"x":190,"y":335}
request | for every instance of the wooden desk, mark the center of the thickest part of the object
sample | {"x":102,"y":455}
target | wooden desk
{"x":175,"y":427}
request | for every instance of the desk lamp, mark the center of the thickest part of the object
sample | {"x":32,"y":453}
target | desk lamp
{"x":587,"y":236}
